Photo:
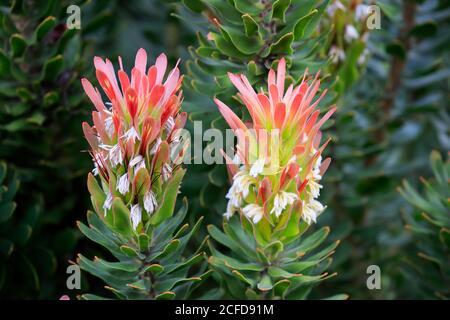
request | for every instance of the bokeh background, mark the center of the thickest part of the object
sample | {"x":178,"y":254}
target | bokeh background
{"x":391,"y":86}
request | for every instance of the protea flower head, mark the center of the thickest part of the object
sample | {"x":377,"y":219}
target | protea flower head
{"x":276,"y":177}
{"x":133,"y":139}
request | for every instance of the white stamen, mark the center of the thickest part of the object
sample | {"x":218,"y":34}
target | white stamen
{"x":253,"y":212}
{"x":115,"y":155}
{"x":123,"y":184}
{"x":336,"y":54}
{"x":282,"y":200}
{"x":97,"y":161}
{"x":109,"y":126}
{"x":150,"y":203}
{"x":155,"y":146}
{"x":108,"y":202}
{"x":350,"y":33}
{"x":136,"y":215}
{"x":332,"y":8}
{"x":137,"y":162}
{"x":169,"y":124}
{"x":237,"y":160}
{"x":230,"y":210}
{"x":311,"y":210}
{"x":131,"y":134}
{"x":257,"y":167}
{"x":166,"y":172}
{"x":361,"y":11}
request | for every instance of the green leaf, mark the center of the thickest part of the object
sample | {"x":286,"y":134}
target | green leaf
{"x":51,"y":98}
{"x":312,"y":241}
{"x":167,"y":207}
{"x":251,"y":294}
{"x":389,"y":10}
{"x":396,"y":49}
{"x":4,"y":64}
{"x":444,"y":236}
{"x":3,"y":171}
{"x":279,"y":9}
{"x":280,"y":288}
{"x":222,"y":238}
{"x":6,"y":247}
{"x":243,"y":278}
{"x":154,"y":268}
{"x":98,"y":237}
{"x":273,"y":249}
{"x":6,"y":210}
{"x":129,"y":251}
{"x":121,"y":218}
{"x":265,"y":284}
{"x":144,"y":242}
{"x":18,"y":45}
{"x":36,"y":118}
{"x":168,"y":295}
{"x":22,"y":234}
{"x":246,"y":45}
{"x":52,"y":68}
{"x":170,"y":248}
{"x":250,"y":25}
{"x":194,"y":5}
{"x":44,"y":28}
{"x":341,"y":296}
{"x":302,"y":24}
{"x":424,"y":30}
{"x":283,"y":45}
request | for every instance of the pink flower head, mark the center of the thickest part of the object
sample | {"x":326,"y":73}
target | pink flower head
{"x":134,"y":133}
{"x":278,"y":170}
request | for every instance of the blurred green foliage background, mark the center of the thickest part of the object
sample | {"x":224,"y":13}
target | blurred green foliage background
{"x":393,"y":110}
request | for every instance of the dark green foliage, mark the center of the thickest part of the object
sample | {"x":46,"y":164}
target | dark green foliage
{"x":150,"y":265}
{"x":386,"y":127}
{"x":248,"y":37}
{"x":28,"y":261}
{"x":278,"y":270}
{"x":430,"y":227}
{"x":40,"y":104}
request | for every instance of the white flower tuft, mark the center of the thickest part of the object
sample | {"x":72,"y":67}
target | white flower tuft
{"x":350,"y":33}
{"x":155,"y":146}
{"x":115,"y":155}
{"x":282,"y":200}
{"x":332,"y":8}
{"x":166,"y":172}
{"x":361,"y":11}
{"x":311,"y":210}
{"x":108,"y":202}
{"x":169,"y":124}
{"x":136,"y":215}
{"x":123,"y":185}
{"x":253,"y":212}
{"x":150,"y":203}
{"x":109,"y":126}
{"x":257,"y":167}
{"x":137,"y":163}
{"x":131,"y":134}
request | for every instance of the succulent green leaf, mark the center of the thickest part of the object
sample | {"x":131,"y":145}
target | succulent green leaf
{"x":265,"y":284}
{"x":279,"y":9}
{"x":283,"y":45}
{"x":121,"y":218}
{"x":18,"y":45}
{"x":250,"y":25}
{"x":166,"y":209}
{"x":44,"y":28}
{"x":52,"y":68}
